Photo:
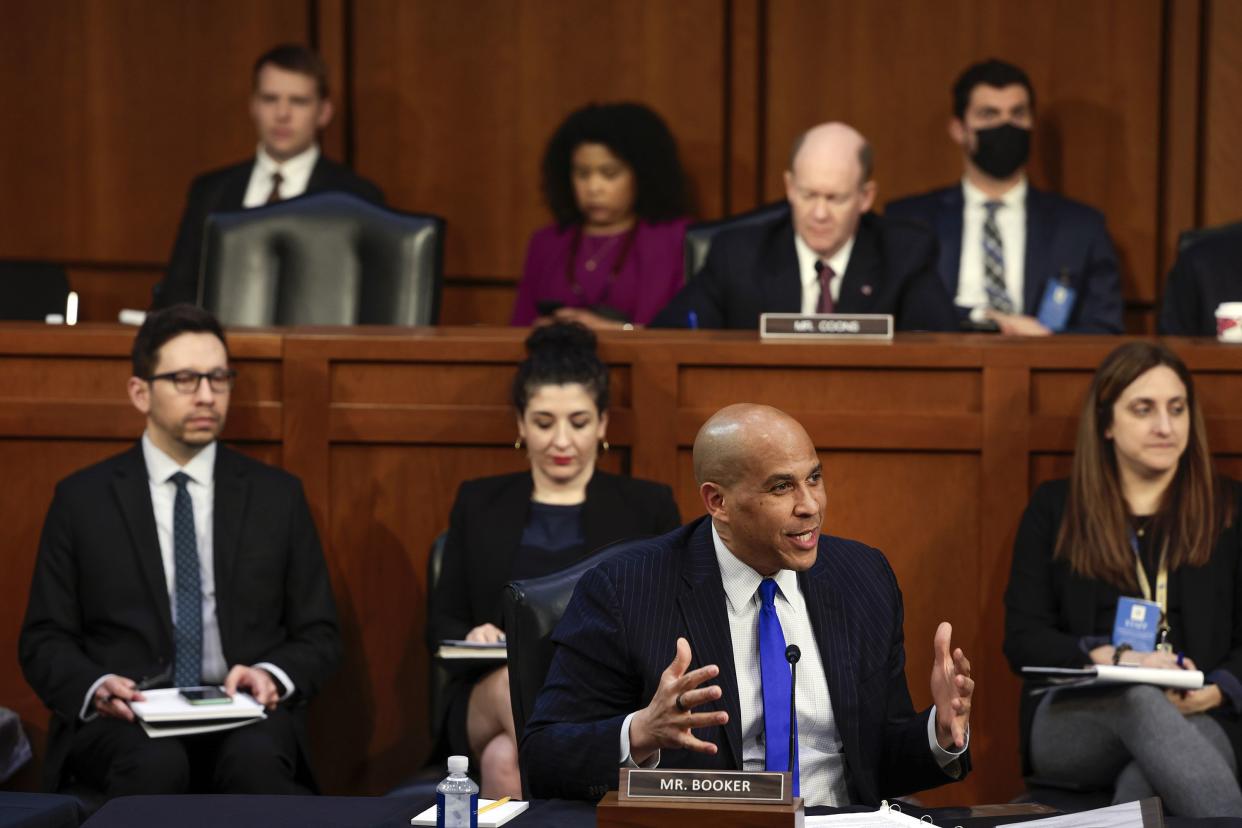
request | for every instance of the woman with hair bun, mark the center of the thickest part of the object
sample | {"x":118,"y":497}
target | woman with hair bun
{"x":533,"y":523}
{"x":1143,"y":515}
{"x":614,"y":256}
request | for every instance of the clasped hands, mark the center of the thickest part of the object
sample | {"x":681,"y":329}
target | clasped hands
{"x":113,"y":695}
{"x":669,"y":720}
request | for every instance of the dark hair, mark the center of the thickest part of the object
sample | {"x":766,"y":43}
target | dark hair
{"x":636,"y":135}
{"x":163,"y":325}
{"x":294,"y":57}
{"x":990,"y":72}
{"x":1094,"y":534}
{"x":559,"y":354}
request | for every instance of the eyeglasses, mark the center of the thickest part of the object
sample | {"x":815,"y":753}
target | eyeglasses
{"x":187,"y":382}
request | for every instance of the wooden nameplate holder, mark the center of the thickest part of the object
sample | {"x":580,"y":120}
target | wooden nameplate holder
{"x":700,"y":799}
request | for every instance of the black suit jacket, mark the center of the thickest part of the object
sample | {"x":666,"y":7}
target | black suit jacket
{"x":222,"y":190}
{"x":619,"y":634}
{"x":1205,"y":274}
{"x":99,"y":600}
{"x":485,"y":530}
{"x":1063,"y":237}
{"x":753,"y":270}
{"x":1049,"y":610}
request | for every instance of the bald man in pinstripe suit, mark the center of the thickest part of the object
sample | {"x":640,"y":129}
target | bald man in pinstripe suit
{"x":692,"y":597}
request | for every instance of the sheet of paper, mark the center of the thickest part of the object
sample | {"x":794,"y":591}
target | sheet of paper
{"x":1126,"y":815}
{"x":490,"y":819}
{"x":195,"y":729}
{"x":885,"y":817}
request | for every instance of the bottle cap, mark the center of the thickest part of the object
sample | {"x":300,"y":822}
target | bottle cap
{"x":458,"y":764}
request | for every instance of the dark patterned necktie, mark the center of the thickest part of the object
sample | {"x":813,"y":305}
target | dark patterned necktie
{"x":188,"y":644}
{"x":274,"y":195}
{"x":825,"y":304}
{"x":994,"y":262}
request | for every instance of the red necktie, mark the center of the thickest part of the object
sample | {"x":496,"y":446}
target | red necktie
{"x":825,"y":281}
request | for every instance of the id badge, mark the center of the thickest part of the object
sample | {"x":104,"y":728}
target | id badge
{"x":1058,"y":302}
{"x":1137,"y":624}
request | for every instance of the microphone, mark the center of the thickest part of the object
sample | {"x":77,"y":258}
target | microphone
{"x":792,"y":655}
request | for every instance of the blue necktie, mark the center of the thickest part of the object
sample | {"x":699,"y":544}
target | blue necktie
{"x":188,"y":644}
{"x":774,"y":671}
{"x":994,"y":261}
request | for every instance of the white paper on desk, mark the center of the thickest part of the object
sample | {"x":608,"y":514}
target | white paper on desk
{"x":1126,"y":815}
{"x":885,"y":817}
{"x":196,"y":729}
{"x":492,"y":819}
{"x":168,"y":705}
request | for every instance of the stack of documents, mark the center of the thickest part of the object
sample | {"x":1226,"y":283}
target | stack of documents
{"x":1101,"y":674}
{"x":450,"y":648}
{"x":166,"y":713}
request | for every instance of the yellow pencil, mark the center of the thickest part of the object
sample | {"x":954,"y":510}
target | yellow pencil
{"x":495,"y":804}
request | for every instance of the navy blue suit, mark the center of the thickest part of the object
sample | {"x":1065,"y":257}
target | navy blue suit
{"x":619,"y":634}
{"x":1062,"y":237}
{"x":753,"y":270}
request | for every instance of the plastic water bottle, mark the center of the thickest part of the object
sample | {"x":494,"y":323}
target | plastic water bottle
{"x":457,"y":797}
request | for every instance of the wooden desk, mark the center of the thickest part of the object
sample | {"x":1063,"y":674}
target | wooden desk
{"x":931,"y":444}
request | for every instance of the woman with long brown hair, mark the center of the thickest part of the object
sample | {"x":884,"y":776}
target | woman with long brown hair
{"x":1143,"y":515}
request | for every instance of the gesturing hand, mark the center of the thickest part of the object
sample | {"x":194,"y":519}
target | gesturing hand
{"x":951,"y":689}
{"x":668,"y":720}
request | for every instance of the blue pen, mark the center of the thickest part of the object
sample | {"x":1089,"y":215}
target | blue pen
{"x":692,"y":319}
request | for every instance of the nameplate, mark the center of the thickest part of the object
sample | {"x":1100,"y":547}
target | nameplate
{"x":755,"y":787}
{"x":826,"y":326}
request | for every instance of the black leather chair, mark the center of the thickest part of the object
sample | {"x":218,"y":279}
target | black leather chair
{"x":32,"y":290}
{"x":322,"y":259}
{"x":699,"y":236}
{"x":1189,"y":238}
{"x":532,"y":609}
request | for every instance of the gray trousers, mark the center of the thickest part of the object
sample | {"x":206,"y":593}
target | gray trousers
{"x":1132,"y":739}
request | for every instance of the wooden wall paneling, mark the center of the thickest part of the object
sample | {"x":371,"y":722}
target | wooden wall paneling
{"x":105,"y":290}
{"x":454,"y":103}
{"x":329,"y":24}
{"x":744,"y":91}
{"x":1180,"y":160}
{"x":133,"y":99}
{"x":1222,"y":166}
{"x":1092,"y":66}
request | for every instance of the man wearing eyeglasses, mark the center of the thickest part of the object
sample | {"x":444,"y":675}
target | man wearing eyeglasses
{"x":829,"y":254}
{"x":176,"y":563}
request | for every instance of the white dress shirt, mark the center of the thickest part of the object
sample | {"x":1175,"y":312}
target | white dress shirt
{"x":295,"y":174}
{"x":1011,"y":222}
{"x":201,"y":487}
{"x":810,"y":279}
{"x":821,"y":762}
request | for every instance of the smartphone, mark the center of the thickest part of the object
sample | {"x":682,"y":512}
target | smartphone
{"x":206,"y":695}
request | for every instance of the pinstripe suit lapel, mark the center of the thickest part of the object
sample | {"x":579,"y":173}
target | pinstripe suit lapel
{"x":837,"y":648}
{"x":702,"y":603}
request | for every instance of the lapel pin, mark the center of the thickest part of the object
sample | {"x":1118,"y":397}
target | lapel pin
{"x":866,"y":290}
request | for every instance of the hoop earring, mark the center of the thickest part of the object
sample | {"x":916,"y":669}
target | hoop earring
{"x":517,"y":444}
{"x":604,"y":445}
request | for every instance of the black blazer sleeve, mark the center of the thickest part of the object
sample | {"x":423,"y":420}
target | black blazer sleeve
{"x":924,"y":304}
{"x":1035,"y":633}
{"x":450,"y":601}
{"x":705,"y":294}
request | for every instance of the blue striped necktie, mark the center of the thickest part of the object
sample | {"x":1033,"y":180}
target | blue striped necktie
{"x":188,"y":644}
{"x":774,"y":672}
{"x":994,"y":261}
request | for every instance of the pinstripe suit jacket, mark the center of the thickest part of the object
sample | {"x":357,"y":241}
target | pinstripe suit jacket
{"x":619,"y":633}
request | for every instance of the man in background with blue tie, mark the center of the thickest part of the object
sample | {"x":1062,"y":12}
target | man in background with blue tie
{"x":721,"y":599}
{"x":176,"y":563}
{"x":1028,"y":261}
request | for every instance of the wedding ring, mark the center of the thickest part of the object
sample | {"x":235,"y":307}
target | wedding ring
{"x":681,"y":706}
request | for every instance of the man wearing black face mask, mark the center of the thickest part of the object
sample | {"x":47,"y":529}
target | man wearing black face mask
{"x":1029,"y":261}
